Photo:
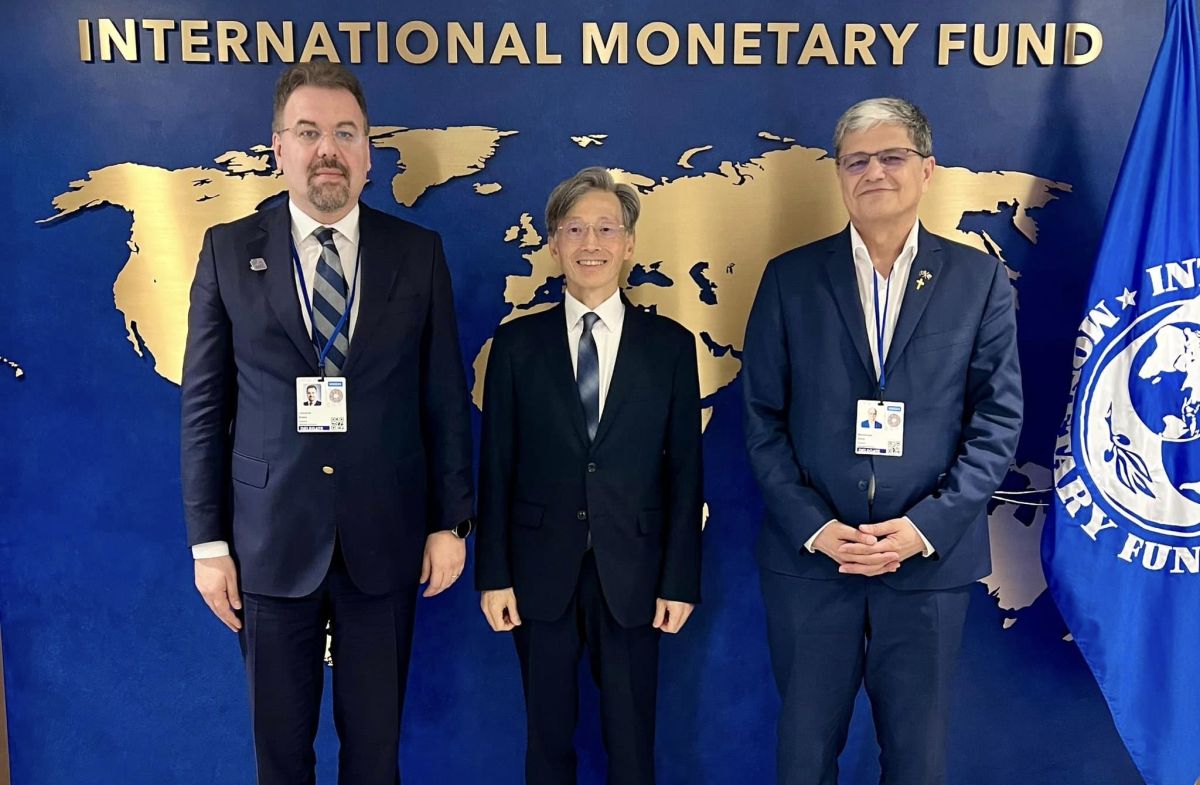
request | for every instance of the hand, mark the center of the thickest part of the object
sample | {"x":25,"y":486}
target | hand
{"x":443,"y":562}
{"x":856,"y":552}
{"x":897,"y":535}
{"x":216,"y":580}
{"x":671,"y":615}
{"x":500,"y":609}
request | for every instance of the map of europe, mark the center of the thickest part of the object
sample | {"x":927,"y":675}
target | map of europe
{"x":705,"y":237}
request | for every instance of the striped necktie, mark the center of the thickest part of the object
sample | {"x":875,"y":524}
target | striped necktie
{"x":329,"y":303}
{"x":587,"y":375}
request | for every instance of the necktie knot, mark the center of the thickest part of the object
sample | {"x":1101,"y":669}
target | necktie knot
{"x":324,"y":236}
{"x":589,"y":321}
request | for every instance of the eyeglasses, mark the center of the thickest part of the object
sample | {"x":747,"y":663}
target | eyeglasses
{"x":576,"y":231}
{"x":890,"y":159}
{"x":310,"y":135}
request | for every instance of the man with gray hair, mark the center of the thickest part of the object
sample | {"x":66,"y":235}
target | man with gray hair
{"x":872,"y":537}
{"x":590,"y":489}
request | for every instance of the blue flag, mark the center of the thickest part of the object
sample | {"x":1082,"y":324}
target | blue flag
{"x":1122,"y":546}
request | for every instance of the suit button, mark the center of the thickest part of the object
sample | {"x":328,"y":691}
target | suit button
{"x":581,"y":515}
{"x":327,"y":469}
{"x":862,"y":485}
{"x":591,"y":467}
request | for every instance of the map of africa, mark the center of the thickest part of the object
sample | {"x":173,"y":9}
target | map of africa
{"x":703,"y":242}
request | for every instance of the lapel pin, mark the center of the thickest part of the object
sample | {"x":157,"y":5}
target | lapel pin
{"x":258,"y":264}
{"x":923,"y":278}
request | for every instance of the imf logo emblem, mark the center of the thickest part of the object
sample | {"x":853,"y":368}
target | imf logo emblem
{"x":1127,"y":460}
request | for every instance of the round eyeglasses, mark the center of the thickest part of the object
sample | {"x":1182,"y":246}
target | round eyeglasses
{"x":606,"y":231}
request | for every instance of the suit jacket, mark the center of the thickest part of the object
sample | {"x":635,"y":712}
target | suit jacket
{"x":952,"y":361}
{"x":636,"y":487}
{"x":280,"y":497}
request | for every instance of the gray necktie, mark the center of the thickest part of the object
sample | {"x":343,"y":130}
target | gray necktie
{"x":329,"y":303}
{"x":587,"y":375}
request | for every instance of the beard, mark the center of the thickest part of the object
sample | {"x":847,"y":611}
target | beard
{"x":328,"y":197}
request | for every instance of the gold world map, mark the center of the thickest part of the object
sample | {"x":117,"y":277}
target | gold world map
{"x":703,"y":241}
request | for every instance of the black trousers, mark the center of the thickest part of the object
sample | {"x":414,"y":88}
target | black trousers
{"x":624,"y":664}
{"x":283,"y":643}
{"x":828,"y":637}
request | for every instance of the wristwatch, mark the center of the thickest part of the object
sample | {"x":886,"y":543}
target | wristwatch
{"x":463,"y":529}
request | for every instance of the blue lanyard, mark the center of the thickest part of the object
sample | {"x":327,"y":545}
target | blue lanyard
{"x":323,"y":353}
{"x":881,"y":325}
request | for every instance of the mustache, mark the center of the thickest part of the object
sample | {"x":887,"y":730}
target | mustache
{"x":326,"y":162}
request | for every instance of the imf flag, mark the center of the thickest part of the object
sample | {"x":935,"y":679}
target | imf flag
{"x":1122,"y":547}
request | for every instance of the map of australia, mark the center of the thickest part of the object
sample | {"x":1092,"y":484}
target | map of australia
{"x":703,"y":241}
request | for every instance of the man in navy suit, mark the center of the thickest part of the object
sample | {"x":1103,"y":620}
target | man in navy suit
{"x":299,"y":518}
{"x":590,"y":490}
{"x":868,"y":548}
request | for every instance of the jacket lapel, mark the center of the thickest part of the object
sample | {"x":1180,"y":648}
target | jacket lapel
{"x":379,"y":267}
{"x":625,"y":368}
{"x":839,"y":265}
{"x":273,"y":244}
{"x":912,"y":307}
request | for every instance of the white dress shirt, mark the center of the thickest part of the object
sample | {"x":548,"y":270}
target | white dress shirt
{"x":890,"y":297}
{"x":886,"y":309}
{"x":308,"y":248}
{"x":606,"y":332}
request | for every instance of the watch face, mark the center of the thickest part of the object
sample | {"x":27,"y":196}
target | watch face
{"x":462,"y":530}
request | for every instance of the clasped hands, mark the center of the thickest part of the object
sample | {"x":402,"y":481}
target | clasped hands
{"x":870,"y":549}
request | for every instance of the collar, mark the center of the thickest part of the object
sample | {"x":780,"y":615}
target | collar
{"x":611,"y":311}
{"x":303,"y":225}
{"x":907,"y":253}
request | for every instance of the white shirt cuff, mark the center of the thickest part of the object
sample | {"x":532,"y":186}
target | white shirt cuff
{"x":928,"y":545}
{"x":808,"y":546}
{"x":210,"y":550}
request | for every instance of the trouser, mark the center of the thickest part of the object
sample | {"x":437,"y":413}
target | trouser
{"x":283,"y":643}
{"x":624,"y":664}
{"x":828,"y":637}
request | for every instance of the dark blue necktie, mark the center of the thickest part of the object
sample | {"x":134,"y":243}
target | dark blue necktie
{"x":329,"y":303}
{"x":587,"y":375}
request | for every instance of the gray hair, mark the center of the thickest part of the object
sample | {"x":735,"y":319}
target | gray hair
{"x":877,"y":111}
{"x":594,"y":178}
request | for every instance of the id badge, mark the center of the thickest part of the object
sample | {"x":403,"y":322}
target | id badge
{"x":321,"y":404}
{"x":879,"y":428}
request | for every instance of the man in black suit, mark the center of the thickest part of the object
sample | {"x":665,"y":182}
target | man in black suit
{"x":590,"y":489}
{"x":298,"y":517}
